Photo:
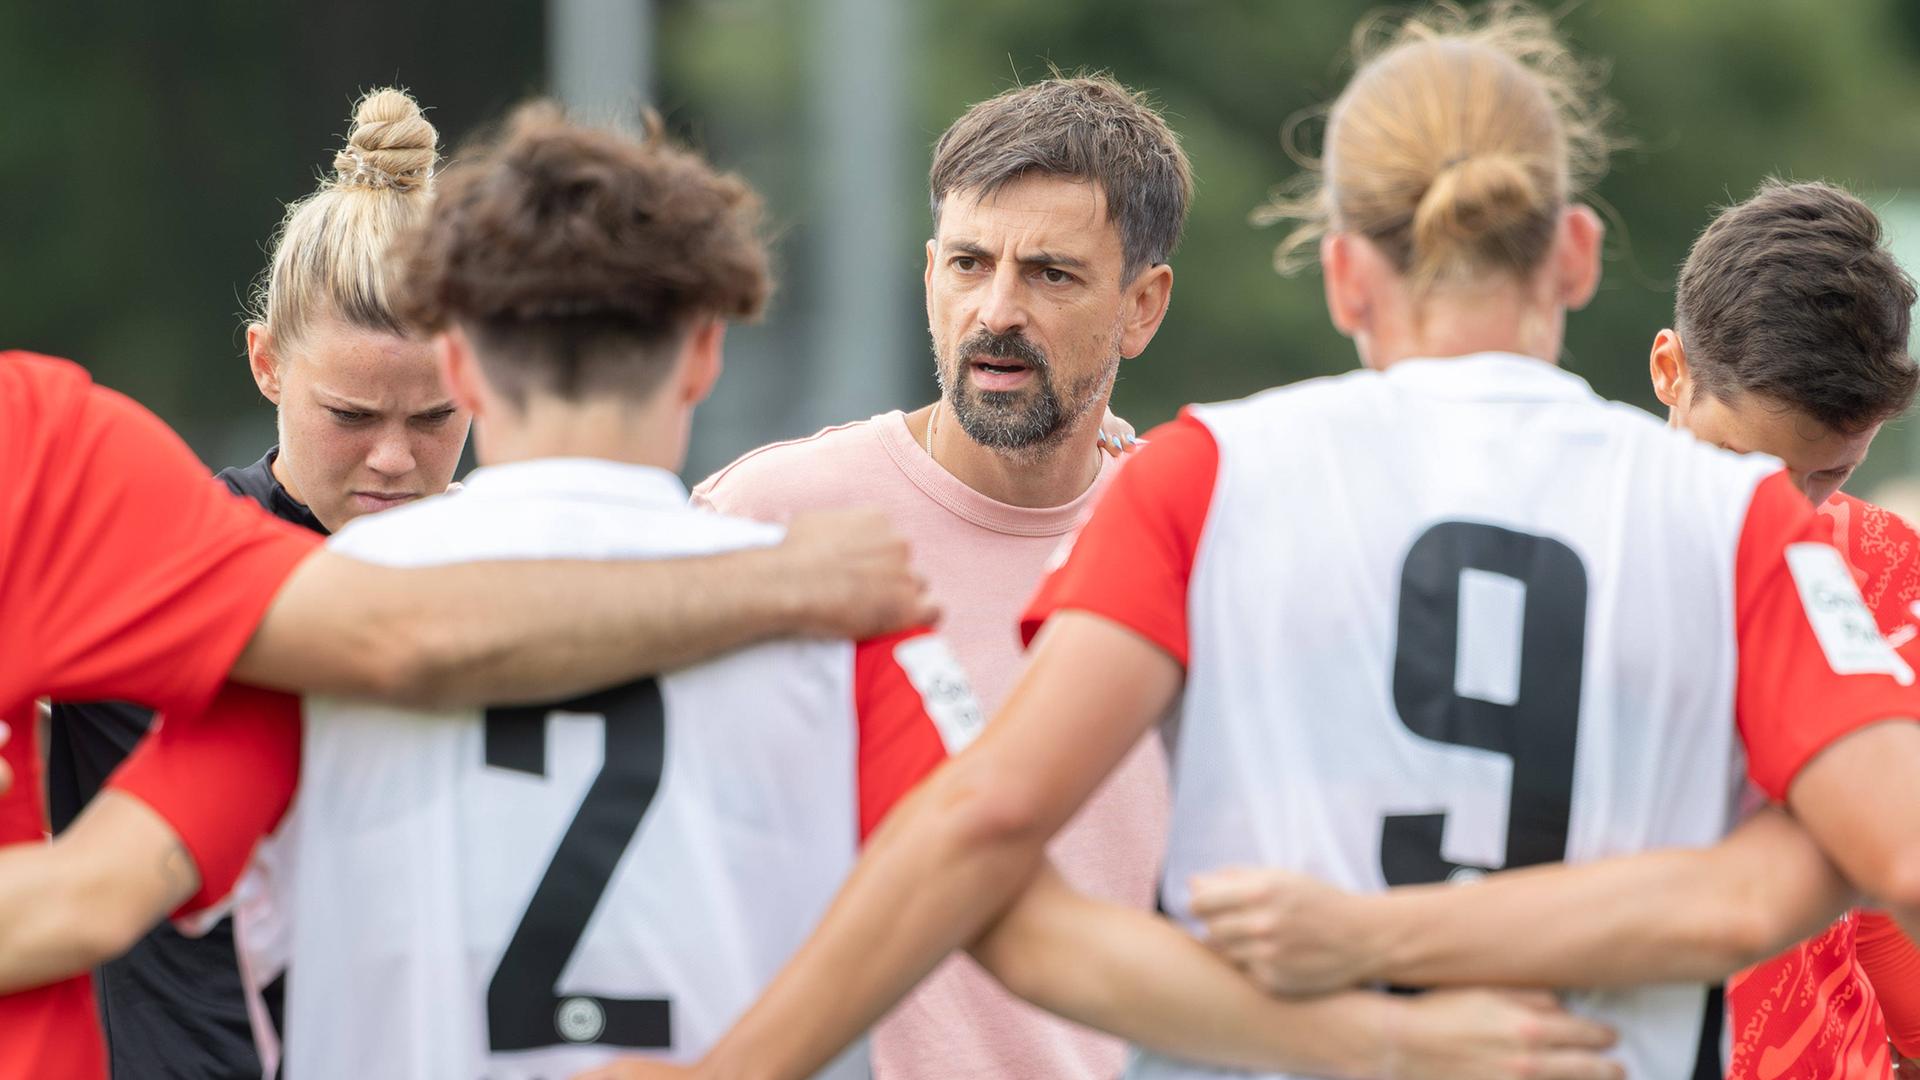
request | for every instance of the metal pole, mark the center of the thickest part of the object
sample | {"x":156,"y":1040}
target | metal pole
{"x":600,"y":57}
{"x":867,"y":258}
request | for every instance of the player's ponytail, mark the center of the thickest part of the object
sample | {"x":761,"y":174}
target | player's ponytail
{"x":330,"y":256}
{"x":1455,"y":145}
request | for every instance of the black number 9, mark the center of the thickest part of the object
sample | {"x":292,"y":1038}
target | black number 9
{"x":1537,"y":731}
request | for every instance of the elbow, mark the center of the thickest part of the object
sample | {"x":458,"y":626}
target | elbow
{"x":989,"y":812}
{"x":1893,"y":879}
{"x":1743,"y":934}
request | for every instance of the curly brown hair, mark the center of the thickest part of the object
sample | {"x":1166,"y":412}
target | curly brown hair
{"x":577,"y":258}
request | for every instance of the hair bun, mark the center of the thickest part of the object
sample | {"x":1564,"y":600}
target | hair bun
{"x":391,"y":145}
{"x":1478,"y":208}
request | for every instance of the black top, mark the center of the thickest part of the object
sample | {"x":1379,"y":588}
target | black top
{"x":173,"y":1006}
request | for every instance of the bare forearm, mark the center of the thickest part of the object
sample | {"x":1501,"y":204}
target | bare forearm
{"x":499,"y":633}
{"x":1138,"y":976}
{"x":1666,"y":916}
{"x":42,"y":938}
{"x":71,"y":905}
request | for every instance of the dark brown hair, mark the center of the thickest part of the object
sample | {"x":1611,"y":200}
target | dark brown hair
{"x":1082,"y":128}
{"x":1791,"y":296}
{"x":577,"y":258}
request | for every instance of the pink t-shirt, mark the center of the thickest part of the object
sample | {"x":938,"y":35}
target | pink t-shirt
{"x":984,"y":560}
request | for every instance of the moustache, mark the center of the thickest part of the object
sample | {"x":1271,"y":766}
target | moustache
{"x":1011,"y":345}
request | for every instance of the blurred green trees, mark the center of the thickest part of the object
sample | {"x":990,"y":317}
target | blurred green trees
{"x":145,"y":150}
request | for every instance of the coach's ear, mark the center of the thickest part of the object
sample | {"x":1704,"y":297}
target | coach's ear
{"x":261,"y":361}
{"x":459,"y":371}
{"x":1667,"y":365}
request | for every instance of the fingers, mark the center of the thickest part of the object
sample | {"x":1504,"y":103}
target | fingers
{"x":1574,"y":1065}
{"x":1228,"y":890}
{"x":6,"y":771}
{"x":1565,"y":1031}
{"x":924,"y":611}
{"x":1234,"y":929}
{"x":1537,"y":1000}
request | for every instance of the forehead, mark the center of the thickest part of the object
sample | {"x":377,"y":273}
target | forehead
{"x":1751,"y":422}
{"x":1041,"y":210}
{"x":370,"y":366}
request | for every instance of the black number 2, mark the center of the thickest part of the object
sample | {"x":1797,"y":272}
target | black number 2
{"x":1537,"y":730}
{"x":524,"y":1008}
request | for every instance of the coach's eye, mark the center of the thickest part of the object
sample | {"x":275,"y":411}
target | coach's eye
{"x":349,"y":416}
{"x":1053,"y":275}
{"x":966,"y":264}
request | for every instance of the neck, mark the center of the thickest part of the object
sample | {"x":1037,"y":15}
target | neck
{"x":609,"y":428}
{"x":1461,"y":324}
{"x":1051,"y":476}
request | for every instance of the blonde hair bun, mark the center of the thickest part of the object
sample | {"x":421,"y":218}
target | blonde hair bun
{"x":391,"y":145}
{"x":1488,"y":209}
{"x":1456,"y":144}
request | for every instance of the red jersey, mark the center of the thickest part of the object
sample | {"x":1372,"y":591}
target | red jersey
{"x":1815,"y":1011}
{"x":124,"y":574}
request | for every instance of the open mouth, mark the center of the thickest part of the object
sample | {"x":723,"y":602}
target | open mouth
{"x":999,"y":372}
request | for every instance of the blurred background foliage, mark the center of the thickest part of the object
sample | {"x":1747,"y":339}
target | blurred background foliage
{"x":148,"y":149}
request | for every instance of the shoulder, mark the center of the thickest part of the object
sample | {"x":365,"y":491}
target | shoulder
{"x":475,"y":526}
{"x":779,"y":479}
{"x":1884,"y":551}
{"x":1309,"y":396}
{"x":30,"y":379}
{"x":388,"y":536}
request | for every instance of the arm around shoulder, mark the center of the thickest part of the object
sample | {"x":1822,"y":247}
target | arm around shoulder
{"x":507,"y":632}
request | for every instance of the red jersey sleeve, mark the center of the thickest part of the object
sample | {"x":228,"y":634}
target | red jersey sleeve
{"x":1813,"y":666}
{"x":1132,"y":561}
{"x":222,"y":780}
{"x":1892,"y":964}
{"x":915,"y":707}
{"x":144,"y":578}
{"x":1884,"y":552}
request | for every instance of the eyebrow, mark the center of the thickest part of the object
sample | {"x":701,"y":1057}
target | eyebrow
{"x":1038,"y":258}
{"x":332,"y":400}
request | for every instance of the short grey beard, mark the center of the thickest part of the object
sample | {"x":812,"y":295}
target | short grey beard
{"x":1034,"y":433}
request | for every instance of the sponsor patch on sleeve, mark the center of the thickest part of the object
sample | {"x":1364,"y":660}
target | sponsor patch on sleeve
{"x":943,"y":687}
{"x":1841,"y":622}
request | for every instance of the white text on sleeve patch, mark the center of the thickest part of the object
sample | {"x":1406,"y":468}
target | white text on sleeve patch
{"x":943,"y":687}
{"x":1841,"y":622}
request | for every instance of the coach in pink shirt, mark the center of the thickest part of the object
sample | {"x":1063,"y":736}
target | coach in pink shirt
{"x":1055,"y":208}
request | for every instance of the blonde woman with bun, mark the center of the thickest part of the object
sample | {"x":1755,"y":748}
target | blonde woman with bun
{"x":364,"y":425}
{"x":1444,"y":615}
{"x":364,"y":422}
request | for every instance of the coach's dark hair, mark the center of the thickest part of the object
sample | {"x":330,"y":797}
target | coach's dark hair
{"x":1081,"y":128}
{"x":577,"y":258}
{"x":1790,"y":295}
